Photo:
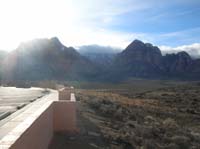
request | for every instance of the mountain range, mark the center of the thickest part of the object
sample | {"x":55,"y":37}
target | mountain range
{"x":49,"y":59}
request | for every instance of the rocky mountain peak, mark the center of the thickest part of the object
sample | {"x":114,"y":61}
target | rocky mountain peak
{"x":56,"y":41}
{"x":137,"y":41}
{"x":184,"y":55}
{"x":139,"y":46}
{"x":142,"y":52}
{"x":135,"y":45}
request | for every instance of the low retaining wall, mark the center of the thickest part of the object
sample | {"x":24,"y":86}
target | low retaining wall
{"x":64,"y":93}
{"x":64,"y":117}
{"x":36,"y":129}
{"x":39,"y":134}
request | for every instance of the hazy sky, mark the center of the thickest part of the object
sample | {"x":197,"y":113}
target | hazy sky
{"x":167,"y":23}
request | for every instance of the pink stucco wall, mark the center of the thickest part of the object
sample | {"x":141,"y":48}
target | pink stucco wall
{"x":64,"y":117}
{"x":64,"y":94}
{"x":39,"y":134}
{"x":58,"y":116}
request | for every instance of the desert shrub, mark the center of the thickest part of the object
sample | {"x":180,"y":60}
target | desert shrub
{"x":119,"y":114}
{"x":94,"y":104}
{"x":172,"y":146}
{"x":182,"y":141}
{"x":170,"y":123}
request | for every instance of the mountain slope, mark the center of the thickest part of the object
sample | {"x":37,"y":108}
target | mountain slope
{"x":46,"y":59}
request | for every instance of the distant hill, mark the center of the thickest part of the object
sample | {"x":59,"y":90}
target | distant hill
{"x":49,"y":59}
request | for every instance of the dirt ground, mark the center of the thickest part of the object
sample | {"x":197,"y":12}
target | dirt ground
{"x":166,"y":117}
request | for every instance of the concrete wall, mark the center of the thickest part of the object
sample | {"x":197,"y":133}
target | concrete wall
{"x":64,"y":93}
{"x":39,"y":134}
{"x":37,"y":130}
{"x":64,"y":117}
{"x":65,"y":112}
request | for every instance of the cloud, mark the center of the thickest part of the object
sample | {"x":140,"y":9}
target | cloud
{"x":98,"y":49}
{"x":174,"y":39}
{"x":182,"y":32}
{"x":101,"y":37}
{"x":193,"y":49}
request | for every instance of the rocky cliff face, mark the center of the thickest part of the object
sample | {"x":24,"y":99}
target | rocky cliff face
{"x":177,"y":63}
{"x":145,"y":60}
{"x":138,"y":51}
{"x":138,"y":60}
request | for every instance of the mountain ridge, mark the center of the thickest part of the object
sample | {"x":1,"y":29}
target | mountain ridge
{"x":45,"y":59}
{"x":41,"y":59}
{"x":146,"y":60}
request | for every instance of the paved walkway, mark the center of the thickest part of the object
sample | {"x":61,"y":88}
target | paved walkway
{"x":23,"y":96}
{"x":13,"y":99}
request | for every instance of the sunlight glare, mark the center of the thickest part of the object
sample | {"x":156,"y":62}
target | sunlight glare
{"x":28,"y":19}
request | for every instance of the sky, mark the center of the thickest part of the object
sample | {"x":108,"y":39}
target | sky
{"x":169,"y":24}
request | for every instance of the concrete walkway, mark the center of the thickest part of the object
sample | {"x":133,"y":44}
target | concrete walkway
{"x":13,"y":99}
{"x":18,"y":115}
